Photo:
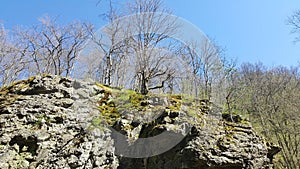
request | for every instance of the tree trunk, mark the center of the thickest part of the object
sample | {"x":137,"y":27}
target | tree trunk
{"x":108,"y":71}
{"x":144,"y":90}
{"x":144,"y":84}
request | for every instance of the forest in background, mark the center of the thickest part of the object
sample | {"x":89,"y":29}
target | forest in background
{"x":146,"y":61}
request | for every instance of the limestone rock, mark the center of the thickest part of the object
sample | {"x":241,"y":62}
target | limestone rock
{"x":45,"y":124}
{"x":50,"y":122}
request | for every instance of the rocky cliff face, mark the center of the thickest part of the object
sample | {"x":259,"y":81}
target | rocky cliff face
{"x":54,"y":122}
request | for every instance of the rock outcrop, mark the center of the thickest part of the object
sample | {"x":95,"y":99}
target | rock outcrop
{"x":56,"y":122}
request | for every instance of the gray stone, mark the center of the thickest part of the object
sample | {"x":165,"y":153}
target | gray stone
{"x":47,"y":123}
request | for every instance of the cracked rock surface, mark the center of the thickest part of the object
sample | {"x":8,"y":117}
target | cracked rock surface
{"x":50,"y":122}
{"x":45,"y":124}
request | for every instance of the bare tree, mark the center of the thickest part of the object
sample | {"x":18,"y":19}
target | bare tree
{"x":193,"y":74}
{"x":132,"y":46}
{"x":12,"y":61}
{"x":294,"y":22}
{"x":205,"y":65}
{"x":149,"y":39}
{"x":53,"y":48}
{"x":110,"y":49}
{"x":212,"y":67}
{"x":232,"y":79}
{"x":138,"y":51}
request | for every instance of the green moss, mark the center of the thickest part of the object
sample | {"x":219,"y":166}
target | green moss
{"x":128,"y":127}
{"x":176,"y":96}
{"x":176,"y":102}
{"x":9,"y":94}
{"x":228,"y":128}
{"x":104,"y":87}
{"x":18,"y":85}
{"x":122,"y":100}
{"x":109,"y":114}
{"x":98,"y":122}
{"x":136,"y":99}
{"x":174,"y":107}
{"x":187,"y":99}
{"x":42,"y":117}
{"x":128,"y":100}
{"x":244,"y":121}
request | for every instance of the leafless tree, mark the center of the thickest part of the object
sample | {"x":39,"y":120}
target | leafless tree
{"x":212,"y":67}
{"x":53,"y":48}
{"x":189,"y":53}
{"x":294,"y":22}
{"x":12,"y":61}
{"x":205,"y":66}
{"x":232,"y":84}
{"x":149,"y":38}
{"x":110,"y":48}
{"x":137,"y":45}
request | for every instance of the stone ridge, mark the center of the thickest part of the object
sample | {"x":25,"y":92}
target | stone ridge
{"x":53,"y":122}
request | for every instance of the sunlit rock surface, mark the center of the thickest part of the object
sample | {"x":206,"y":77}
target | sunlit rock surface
{"x":55,"y":122}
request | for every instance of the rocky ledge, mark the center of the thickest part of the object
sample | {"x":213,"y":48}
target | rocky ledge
{"x":55,"y":122}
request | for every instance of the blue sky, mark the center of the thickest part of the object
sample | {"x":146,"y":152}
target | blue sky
{"x":251,"y":31}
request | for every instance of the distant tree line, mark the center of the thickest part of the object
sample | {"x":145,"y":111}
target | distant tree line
{"x":269,"y":97}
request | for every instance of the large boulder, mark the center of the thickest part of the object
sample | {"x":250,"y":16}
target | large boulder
{"x":50,"y":122}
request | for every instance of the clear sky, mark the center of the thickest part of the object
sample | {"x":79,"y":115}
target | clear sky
{"x":250,"y":30}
